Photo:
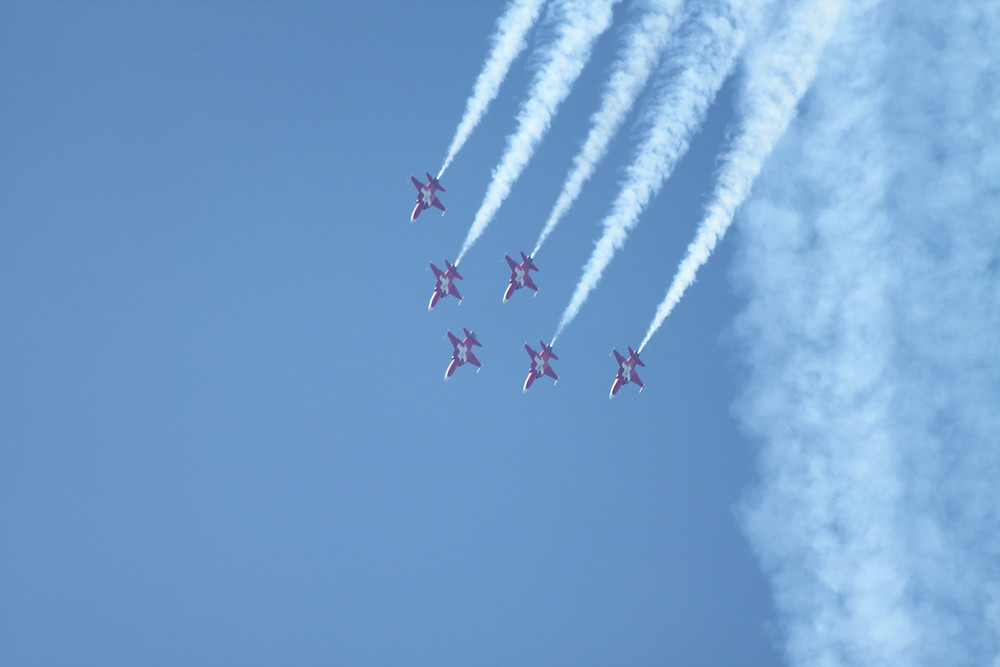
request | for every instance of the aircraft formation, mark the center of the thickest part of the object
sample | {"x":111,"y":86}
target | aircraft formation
{"x":682,"y":51}
{"x":520,"y":277}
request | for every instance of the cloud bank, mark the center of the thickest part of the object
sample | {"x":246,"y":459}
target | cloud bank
{"x":869,"y":259}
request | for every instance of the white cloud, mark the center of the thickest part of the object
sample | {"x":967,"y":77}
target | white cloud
{"x":870,"y":261}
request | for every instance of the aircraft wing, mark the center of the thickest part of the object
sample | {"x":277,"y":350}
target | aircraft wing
{"x":528,"y":282}
{"x":454,"y":339}
{"x":471,"y":359}
{"x":551,"y":373}
{"x":635,"y":378}
{"x":417,"y":183}
{"x":618,"y":357}
{"x":531,"y":352}
{"x":436,"y":270}
{"x":512,"y":263}
{"x":436,"y":202}
{"x":454,"y":290}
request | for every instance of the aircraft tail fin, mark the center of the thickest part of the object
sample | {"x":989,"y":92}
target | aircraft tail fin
{"x":471,"y":335}
{"x":527,"y":262}
{"x":433,"y":181}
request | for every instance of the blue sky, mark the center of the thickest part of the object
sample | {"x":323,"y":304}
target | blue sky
{"x":224,"y":434}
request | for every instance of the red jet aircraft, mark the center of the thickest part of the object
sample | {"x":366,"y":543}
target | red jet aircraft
{"x":540,"y":364}
{"x":463,"y":352}
{"x":426,"y":197}
{"x":519,"y":275}
{"x":445,"y":284}
{"x":626,"y":370}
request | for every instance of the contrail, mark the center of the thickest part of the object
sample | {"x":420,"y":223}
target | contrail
{"x":629,"y":75}
{"x":707,"y":50}
{"x":581,"y":22}
{"x":868,"y":260}
{"x":508,"y":42}
{"x":777,"y":74}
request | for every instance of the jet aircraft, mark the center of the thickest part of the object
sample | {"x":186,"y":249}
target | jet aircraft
{"x":626,"y":370}
{"x":445,"y":283}
{"x":463,"y":352}
{"x":519,"y":275}
{"x":540,"y":364}
{"x":426,"y":197}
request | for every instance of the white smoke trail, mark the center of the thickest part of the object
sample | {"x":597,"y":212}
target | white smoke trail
{"x":869,"y":258}
{"x":710,"y":42}
{"x":628,"y":77}
{"x":508,"y":42}
{"x":777,"y":73}
{"x":580,"y":23}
